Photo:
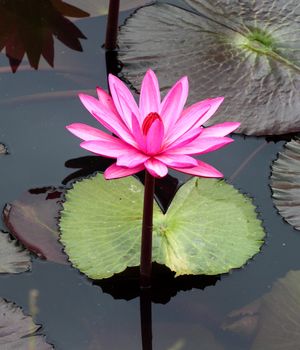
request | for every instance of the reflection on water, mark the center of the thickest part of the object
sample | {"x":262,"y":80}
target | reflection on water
{"x":73,"y":310}
{"x":146,"y":318}
{"x":28,"y":27}
{"x":18,"y":331}
{"x":33,"y":308}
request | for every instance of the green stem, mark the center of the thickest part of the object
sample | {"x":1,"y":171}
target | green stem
{"x":283,"y":60}
{"x":146,"y":246}
{"x":262,"y":50}
{"x":112,"y":25}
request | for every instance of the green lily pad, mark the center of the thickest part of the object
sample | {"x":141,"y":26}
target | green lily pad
{"x":209,"y":228}
{"x":247,"y":51}
{"x":13,"y":258}
{"x":17,"y":331}
{"x":285,"y":183}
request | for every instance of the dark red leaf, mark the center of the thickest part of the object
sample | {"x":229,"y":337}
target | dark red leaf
{"x":32,"y":219}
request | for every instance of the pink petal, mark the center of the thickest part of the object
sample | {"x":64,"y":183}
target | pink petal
{"x":150,"y":95}
{"x":195,"y":115}
{"x":219,"y":130}
{"x":87,"y":133}
{"x":156,"y":168}
{"x":115,"y":171}
{"x":123,"y":100}
{"x":138,"y":134}
{"x":109,"y":120}
{"x":214,"y":105}
{"x":203,"y":145}
{"x":107,"y":148}
{"x":202,"y":169}
{"x":177,"y":160}
{"x":186,"y":138}
{"x":92,"y":104}
{"x":172,"y":105}
{"x":132,"y":159}
{"x":155,"y":137}
{"x":106,"y":100}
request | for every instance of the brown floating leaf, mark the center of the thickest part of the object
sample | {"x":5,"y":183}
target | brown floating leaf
{"x":247,"y":51}
{"x":33,"y":221}
{"x":13,"y":258}
{"x":285,"y":182}
{"x":17,"y":331}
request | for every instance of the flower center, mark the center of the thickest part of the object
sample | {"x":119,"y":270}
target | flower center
{"x":148,"y":121}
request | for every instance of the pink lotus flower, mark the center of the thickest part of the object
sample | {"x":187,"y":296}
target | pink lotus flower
{"x":154,"y":135}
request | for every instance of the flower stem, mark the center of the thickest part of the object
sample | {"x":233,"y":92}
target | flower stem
{"x":146,"y":247}
{"x":112,"y":25}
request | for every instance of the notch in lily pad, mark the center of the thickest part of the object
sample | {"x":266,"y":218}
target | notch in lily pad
{"x":209,"y":228}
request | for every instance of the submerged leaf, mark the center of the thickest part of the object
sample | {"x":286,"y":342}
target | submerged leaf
{"x":247,"y":51}
{"x":274,"y":318}
{"x":17,"y":331}
{"x":13,"y":258}
{"x":285,"y":183}
{"x":209,"y":228}
{"x":3,"y":149}
{"x":33,"y":221}
{"x":183,"y":336}
{"x":243,"y":321}
{"x":279,"y":321}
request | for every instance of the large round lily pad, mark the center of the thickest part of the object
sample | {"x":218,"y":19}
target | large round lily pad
{"x":17,"y":331}
{"x":247,"y":51}
{"x":285,"y":182}
{"x":209,"y":228}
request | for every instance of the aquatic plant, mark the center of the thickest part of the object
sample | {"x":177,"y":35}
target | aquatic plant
{"x":153,"y":136}
{"x":156,"y":135}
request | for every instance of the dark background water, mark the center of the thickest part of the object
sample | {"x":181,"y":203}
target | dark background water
{"x":76,"y":314}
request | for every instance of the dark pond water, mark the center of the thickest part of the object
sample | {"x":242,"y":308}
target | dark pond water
{"x":75,"y":313}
